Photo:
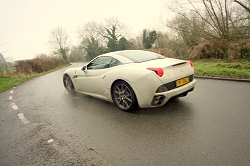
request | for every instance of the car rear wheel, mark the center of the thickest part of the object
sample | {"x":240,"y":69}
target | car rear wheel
{"x":124,"y":96}
{"x":69,"y":86}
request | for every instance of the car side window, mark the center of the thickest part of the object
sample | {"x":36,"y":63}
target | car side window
{"x":100,"y":63}
{"x":115,"y":62}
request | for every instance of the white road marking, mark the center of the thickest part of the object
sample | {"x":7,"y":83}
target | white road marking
{"x":21,"y":116}
{"x":10,"y":97}
{"x":14,"y":106}
{"x":11,"y":91}
{"x":51,"y":140}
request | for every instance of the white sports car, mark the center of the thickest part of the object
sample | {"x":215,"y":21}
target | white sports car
{"x":132,"y":78}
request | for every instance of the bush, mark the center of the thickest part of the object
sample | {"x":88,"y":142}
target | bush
{"x":39,"y":65}
{"x":222,"y":49}
{"x":245,"y":52}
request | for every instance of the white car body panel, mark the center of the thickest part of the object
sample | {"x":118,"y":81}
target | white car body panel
{"x":144,"y":82}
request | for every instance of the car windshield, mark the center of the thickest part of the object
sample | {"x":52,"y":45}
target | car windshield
{"x":138,"y":56}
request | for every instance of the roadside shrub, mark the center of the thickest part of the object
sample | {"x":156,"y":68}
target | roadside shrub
{"x":39,"y":65}
{"x":211,"y":49}
{"x":222,"y":49}
{"x":245,"y":52}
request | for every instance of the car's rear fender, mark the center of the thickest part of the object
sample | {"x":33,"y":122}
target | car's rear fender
{"x":130,"y":75}
{"x":145,"y":88}
{"x":144,"y":83}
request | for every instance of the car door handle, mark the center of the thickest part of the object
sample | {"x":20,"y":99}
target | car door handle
{"x":75,"y":76}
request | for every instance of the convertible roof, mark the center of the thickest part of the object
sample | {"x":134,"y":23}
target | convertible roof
{"x":138,"y":56}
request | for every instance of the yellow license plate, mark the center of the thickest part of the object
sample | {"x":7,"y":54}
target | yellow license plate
{"x":182,"y":81}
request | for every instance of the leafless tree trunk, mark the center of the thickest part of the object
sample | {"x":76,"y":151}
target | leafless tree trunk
{"x":59,"y":41}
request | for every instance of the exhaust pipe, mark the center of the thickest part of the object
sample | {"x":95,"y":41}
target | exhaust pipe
{"x":157,"y":100}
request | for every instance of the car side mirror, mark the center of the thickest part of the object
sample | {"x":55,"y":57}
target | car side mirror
{"x":84,"y":68}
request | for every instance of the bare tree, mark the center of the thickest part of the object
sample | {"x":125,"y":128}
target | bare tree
{"x":96,"y":37}
{"x":138,"y":41}
{"x":77,"y":54}
{"x":59,"y":42}
{"x":188,"y":30}
{"x":162,"y":40}
{"x":113,"y":28}
{"x":102,"y":32}
{"x":213,"y":19}
{"x":242,"y":4}
{"x":91,"y":30}
{"x":91,"y":39}
{"x":2,"y":60}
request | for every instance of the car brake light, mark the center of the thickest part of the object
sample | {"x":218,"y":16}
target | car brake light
{"x":158,"y":71}
{"x":191,"y":63}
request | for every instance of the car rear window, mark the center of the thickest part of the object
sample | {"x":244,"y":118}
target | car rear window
{"x":138,"y":56}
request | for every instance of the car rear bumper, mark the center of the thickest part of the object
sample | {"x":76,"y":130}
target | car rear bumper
{"x":159,"y":99}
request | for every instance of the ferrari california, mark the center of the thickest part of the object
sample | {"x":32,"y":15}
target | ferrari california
{"x":132,"y":79}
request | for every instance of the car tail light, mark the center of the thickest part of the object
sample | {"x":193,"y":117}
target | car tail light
{"x":158,"y":71}
{"x":191,"y":63}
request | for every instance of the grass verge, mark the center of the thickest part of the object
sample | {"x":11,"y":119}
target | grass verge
{"x":9,"y":82}
{"x":239,"y":70}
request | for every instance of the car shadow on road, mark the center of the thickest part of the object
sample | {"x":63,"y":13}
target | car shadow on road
{"x":173,"y":106}
{"x":175,"y":118}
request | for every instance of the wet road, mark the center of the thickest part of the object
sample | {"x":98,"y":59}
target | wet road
{"x":41,"y":125}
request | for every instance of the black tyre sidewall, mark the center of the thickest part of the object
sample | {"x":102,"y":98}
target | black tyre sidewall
{"x":134,"y":104}
{"x":72,"y":91}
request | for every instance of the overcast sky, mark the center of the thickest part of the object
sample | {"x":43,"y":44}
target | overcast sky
{"x":25,"y":25}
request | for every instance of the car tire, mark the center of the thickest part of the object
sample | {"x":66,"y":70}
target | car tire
{"x":68,"y":84}
{"x":124,"y":96}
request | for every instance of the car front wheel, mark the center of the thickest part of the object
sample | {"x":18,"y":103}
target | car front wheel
{"x":69,"y":86}
{"x":124,"y":96}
